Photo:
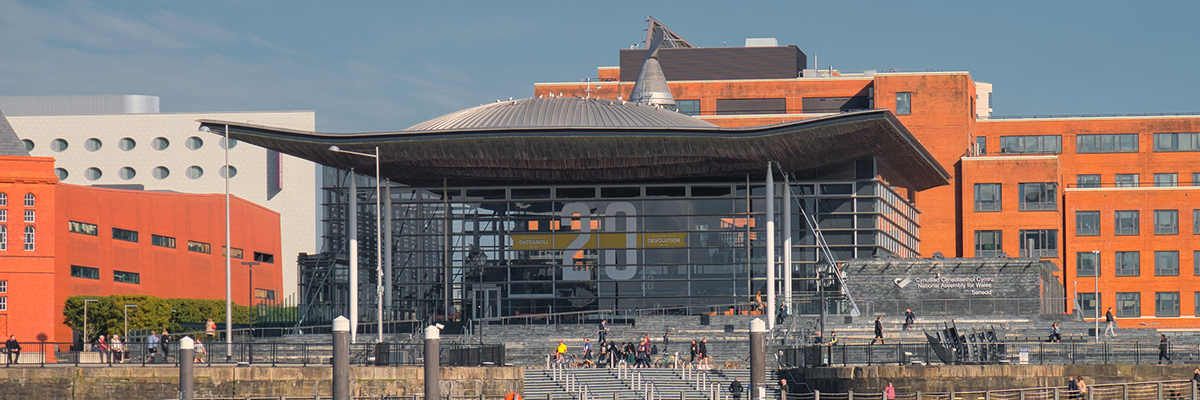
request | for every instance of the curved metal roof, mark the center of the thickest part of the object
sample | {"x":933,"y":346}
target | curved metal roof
{"x":560,"y":112}
{"x":592,"y":154}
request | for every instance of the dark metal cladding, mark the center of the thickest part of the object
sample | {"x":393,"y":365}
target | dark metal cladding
{"x":10,"y":144}
{"x":719,"y":63}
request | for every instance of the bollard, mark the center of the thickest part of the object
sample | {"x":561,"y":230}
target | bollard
{"x":187,"y":354}
{"x":433,"y":337}
{"x":341,"y":358}
{"x":817,"y":395}
{"x":1056,"y":394}
{"x":758,"y":359}
{"x":1192,"y":384}
{"x":850,"y":394}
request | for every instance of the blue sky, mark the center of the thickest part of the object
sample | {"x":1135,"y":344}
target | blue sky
{"x":375,"y":65}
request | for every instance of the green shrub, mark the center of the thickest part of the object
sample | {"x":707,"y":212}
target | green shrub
{"x":106,"y":315}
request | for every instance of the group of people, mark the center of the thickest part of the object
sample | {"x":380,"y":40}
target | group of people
{"x":112,"y":350}
{"x":638,"y":354}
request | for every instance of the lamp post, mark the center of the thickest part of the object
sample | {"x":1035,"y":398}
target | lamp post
{"x":127,"y":320}
{"x":250,"y":301}
{"x":378,"y":250}
{"x":1096,"y":293}
{"x":85,"y":331}
{"x":228,"y":252}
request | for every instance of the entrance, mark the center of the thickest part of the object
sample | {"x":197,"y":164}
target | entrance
{"x":486,"y":303}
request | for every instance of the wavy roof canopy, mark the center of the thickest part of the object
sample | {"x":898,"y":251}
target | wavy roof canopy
{"x":575,"y":140}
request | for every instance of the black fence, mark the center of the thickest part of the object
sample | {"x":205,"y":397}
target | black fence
{"x":272,"y":353}
{"x":1013,"y":353}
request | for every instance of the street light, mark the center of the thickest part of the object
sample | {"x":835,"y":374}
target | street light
{"x":251,"y":264}
{"x":228,"y":252}
{"x":127,"y":320}
{"x":1096,"y":293}
{"x":378,"y":253}
{"x":85,"y":332}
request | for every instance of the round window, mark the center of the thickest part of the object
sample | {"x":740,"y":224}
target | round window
{"x":28,"y":144}
{"x":126,"y":173}
{"x":127,"y":144}
{"x":232,"y":143}
{"x":92,"y":173}
{"x":232,"y":172}
{"x":93,"y":144}
{"x":62,"y":174}
{"x":194,"y":143}
{"x":195,"y":172}
{"x":58,"y":145}
{"x":160,"y":172}
{"x":160,"y":143}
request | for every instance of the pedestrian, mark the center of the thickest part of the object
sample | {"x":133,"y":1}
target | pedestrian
{"x":878,"y":330}
{"x":199,"y":353}
{"x":1083,"y":387}
{"x":890,"y":392}
{"x":116,"y":348}
{"x":735,"y":389}
{"x":152,"y":346}
{"x":666,"y":341}
{"x":1112,"y":323}
{"x":603,"y":330}
{"x":102,"y":348}
{"x":703,"y":353}
{"x":561,"y":351}
{"x":783,"y":313}
{"x":833,"y":339}
{"x":1072,"y":388}
{"x":587,"y":348}
{"x":909,"y":318}
{"x":819,"y":338}
{"x":1055,"y":334}
{"x":210,"y":328}
{"x":164,"y":343}
{"x":14,"y":349}
{"x":758,"y":301}
{"x":1196,"y":375}
{"x":695,"y":350}
{"x":783,"y":386}
{"x":1163,"y":346}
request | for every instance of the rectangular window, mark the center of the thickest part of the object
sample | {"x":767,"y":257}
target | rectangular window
{"x":981,"y":145}
{"x":162,"y":241}
{"x":1166,"y":180}
{"x":1196,"y":179}
{"x":1196,"y":222}
{"x":1088,"y":304}
{"x":264,"y":294}
{"x":1126,"y":222}
{"x":1197,"y":312}
{"x":1127,"y":180}
{"x":1129,"y":304}
{"x":1087,"y":181}
{"x":1166,"y":222}
{"x":903,"y":103}
{"x":1087,"y":223}
{"x":688,"y":107}
{"x":1085,"y":263}
{"x":237,"y":253}
{"x":30,"y":216}
{"x":1166,"y":304}
{"x":30,"y":240}
{"x":199,"y":247}
{"x":3,"y":303}
{"x":127,"y":277}
{"x":988,"y":244}
{"x":126,"y":235}
{"x":1177,"y":141}
{"x":3,"y":286}
{"x":987,"y":197}
{"x":264,"y":257}
{"x":1166,"y":263}
{"x":3,"y":237}
{"x":1044,"y":242}
{"x":83,"y":228}
{"x":3,"y":215}
{"x":751,"y":106}
{"x":85,"y":272}
{"x":1128,"y":263}
{"x":1122,"y":143}
{"x":1045,"y":144}
{"x":1038,"y":196}
{"x":1196,"y":263}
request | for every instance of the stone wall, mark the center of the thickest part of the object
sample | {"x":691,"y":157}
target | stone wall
{"x":945,"y":378}
{"x":955,"y":286}
{"x":136,"y":383}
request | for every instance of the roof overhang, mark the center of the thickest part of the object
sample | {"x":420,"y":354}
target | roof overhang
{"x":603,"y":155}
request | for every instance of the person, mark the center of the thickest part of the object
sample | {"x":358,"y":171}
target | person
{"x":758,"y":301}
{"x":116,"y":349}
{"x":14,"y":349}
{"x":210,"y":328}
{"x":199,"y":352}
{"x":695,"y":350}
{"x":666,"y":341}
{"x":909,"y":318}
{"x":164,"y":343}
{"x":1163,"y":345}
{"x":102,"y":348}
{"x":587,"y":349}
{"x":819,"y":338}
{"x":1055,"y":334}
{"x":783,"y":386}
{"x":561,"y":351}
{"x":703,"y":353}
{"x":878,"y":330}
{"x":1196,"y":375}
{"x":1072,"y":387}
{"x":603,"y":330}
{"x":890,"y":392}
{"x":152,"y":346}
{"x":1111,"y":323}
{"x":783,"y":313}
{"x":833,"y":339}
{"x":735,"y":388}
{"x":1083,"y":388}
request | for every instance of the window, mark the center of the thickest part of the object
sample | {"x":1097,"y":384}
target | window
{"x":1196,"y":263}
{"x":1128,"y":263}
{"x":30,"y":216}
{"x":1129,"y":304}
{"x":160,"y":172}
{"x":3,"y":199}
{"x":1085,"y":263}
{"x":126,"y":144}
{"x":199,"y":247}
{"x":3,"y":286}
{"x":194,"y":143}
{"x":126,"y":235}
{"x":264,"y":294}
{"x":82,"y":227}
{"x":1166,"y":180}
{"x":1046,"y":144}
{"x":3,"y":215}
{"x":1197,"y":294}
{"x":237,"y":253}
{"x":1196,"y":222}
{"x":126,"y":173}
{"x":988,"y":244}
{"x":93,"y":173}
{"x":1166,"y":263}
{"x":162,"y":241}
{"x":903,"y":103}
{"x":1196,"y":179}
{"x":3,"y":238}
{"x":1087,"y":181}
{"x":264,"y":257}
{"x":1038,"y":196}
{"x":127,"y":277}
{"x":93,"y":144}
{"x":3,"y":303}
{"x":59,"y":145}
{"x":981,"y":145}
{"x":1177,"y":142}
{"x":30,"y":200}
{"x":687,"y":107}
{"x":61,"y":173}
{"x":85,"y":272}
{"x":1166,"y":304}
{"x":232,"y":171}
{"x":1087,"y":223}
{"x":1044,"y":242}
{"x":987,"y":197}
{"x":160,"y":143}
{"x":1127,"y":180}
{"x":1166,"y":222}
{"x":1088,"y":304}
{"x":194,"y":172}
{"x":1125,"y":143}
{"x":233,"y":142}
{"x":28,"y":144}
{"x":29,"y":238}
{"x":1126,"y":222}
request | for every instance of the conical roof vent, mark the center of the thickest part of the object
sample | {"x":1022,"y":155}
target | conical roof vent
{"x":651,"y":86}
{"x":10,"y":144}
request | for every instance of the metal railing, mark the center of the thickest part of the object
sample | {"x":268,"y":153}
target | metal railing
{"x":272,"y":353}
{"x":1015,"y":306}
{"x":1172,"y":389}
{"x":1042,"y":353}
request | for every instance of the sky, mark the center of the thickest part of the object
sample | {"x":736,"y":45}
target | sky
{"x":387,"y":65}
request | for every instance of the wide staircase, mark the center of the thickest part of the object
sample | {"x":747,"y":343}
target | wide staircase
{"x":637,"y":384}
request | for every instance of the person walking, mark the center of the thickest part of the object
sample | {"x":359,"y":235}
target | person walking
{"x":666,"y":341}
{"x":152,"y":346}
{"x":1072,"y":388}
{"x":703,"y":353}
{"x":889,"y":392}
{"x":909,"y":318}
{"x":1163,"y":346}
{"x":13,"y":348}
{"x":603,"y":330}
{"x":878,"y":330}
{"x":1111,"y":323}
{"x":783,"y":313}
{"x":735,"y":389}
{"x":199,"y":353}
{"x":1083,"y":387}
{"x":561,"y":351}
{"x":695,"y":350}
{"x":1055,"y":334}
{"x":164,"y":343}
{"x":210,"y":328}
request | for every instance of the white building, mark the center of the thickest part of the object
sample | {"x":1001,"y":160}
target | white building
{"x":165,"y":151}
